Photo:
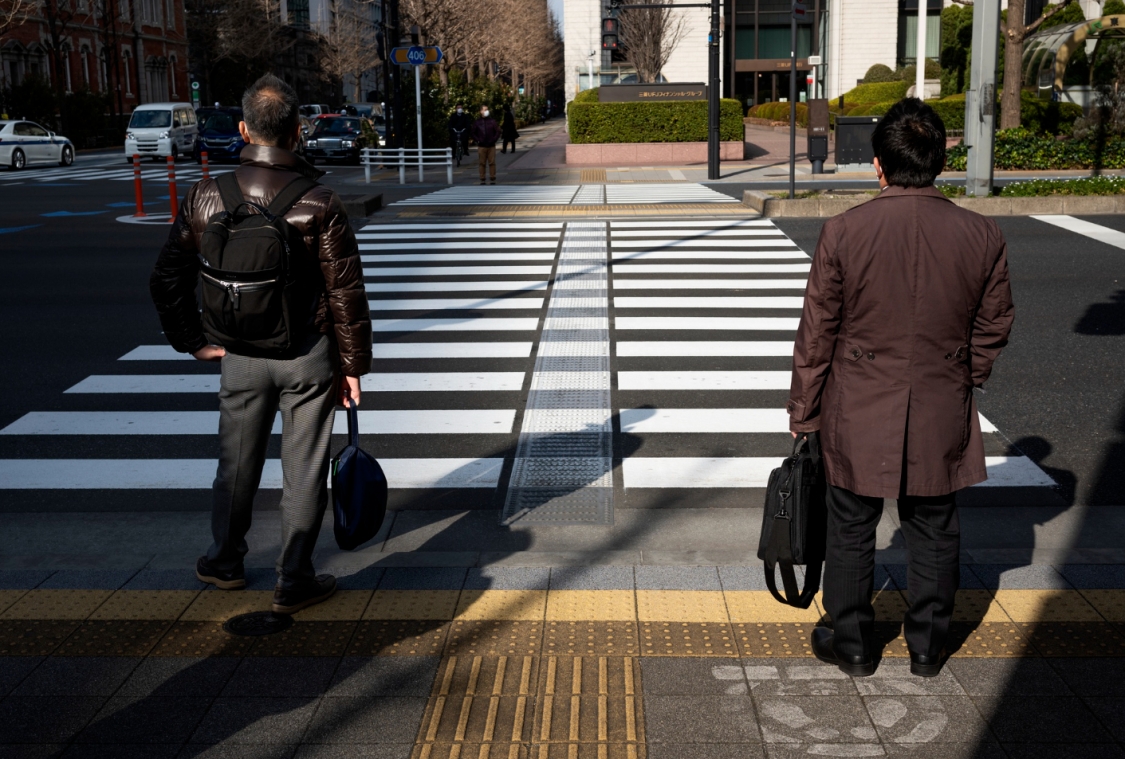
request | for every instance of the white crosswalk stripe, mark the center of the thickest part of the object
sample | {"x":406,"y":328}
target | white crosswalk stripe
{"x":587,"y":194}
{"x":187,"y":174}
{"x":681,"y":192}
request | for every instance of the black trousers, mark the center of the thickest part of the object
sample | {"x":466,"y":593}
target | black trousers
{"x":933,"y":540}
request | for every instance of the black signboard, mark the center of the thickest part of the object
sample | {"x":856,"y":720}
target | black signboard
{"x":640,"y":93}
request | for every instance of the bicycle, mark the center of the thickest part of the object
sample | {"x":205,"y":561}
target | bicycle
{"x":458,"y":145}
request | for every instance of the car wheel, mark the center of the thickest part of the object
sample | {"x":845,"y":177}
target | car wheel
{"x":19,"y":160}
{"x":66,"y":158}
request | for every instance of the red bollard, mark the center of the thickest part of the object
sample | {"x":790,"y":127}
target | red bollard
{"x":137,"y":186}
{"x":206,"y":166}
{"x":172,"y":187}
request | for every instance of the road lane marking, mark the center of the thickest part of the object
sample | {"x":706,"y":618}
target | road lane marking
{"x":451,"y":350}
{"x":1085,"y":228}
{"x":664,"y":348}
{"x":456,"y":304}
{"x":708,"y":284}
{"x":692,"y":242}
{"x":631,"y":268}
{"x":446,"y":271}
{"x":706,"y":323}
{"x":715,"y":302}
{"x":385,"y":382}
{"x":436,"y":245}
{"x":470,"y":324}
{"x":714,"y":254}
{"x":452,"y":257}
{"x":422,"y":287}
{"x":704,"y":380}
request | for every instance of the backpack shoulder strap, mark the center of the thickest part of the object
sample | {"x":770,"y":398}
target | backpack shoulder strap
{"x":229,"y":191}
{"x":289,"y":195}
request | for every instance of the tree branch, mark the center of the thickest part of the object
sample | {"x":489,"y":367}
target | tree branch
{"x":1030,"y":28}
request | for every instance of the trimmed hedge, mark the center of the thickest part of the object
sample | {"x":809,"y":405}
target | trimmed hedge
{"x":1035,"y":188}
{"x":587,"y":96}
{"x":780,"y":112}
{"x":880,"y":73}
{"x":1021,"y":149}
{"x":1037,"y":116}
{"x":593,"y":122}
{"x":877,"y":92}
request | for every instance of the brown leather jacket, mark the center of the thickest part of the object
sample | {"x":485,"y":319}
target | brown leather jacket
{"x":321,"y":220}
{"x":907,"y":307}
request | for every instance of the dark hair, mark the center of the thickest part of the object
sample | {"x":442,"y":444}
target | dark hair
{"x":269,"y":108}
{"x":910,"y":144}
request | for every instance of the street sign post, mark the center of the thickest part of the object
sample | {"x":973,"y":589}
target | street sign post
{"x":195,"y":94}
{"x":417,"y":55}
{"x":980,"y":100}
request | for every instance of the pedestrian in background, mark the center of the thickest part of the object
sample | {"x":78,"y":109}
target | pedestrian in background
{"x":328,"y":353}
{"x":486,"y":133}
{"x":460,"y":124}
{"x":907,"y":306}
{"x":508,"y":130}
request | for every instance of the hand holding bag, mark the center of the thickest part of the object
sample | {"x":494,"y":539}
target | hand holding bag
{"x":795,"y":522}
{"x":359,"y":490}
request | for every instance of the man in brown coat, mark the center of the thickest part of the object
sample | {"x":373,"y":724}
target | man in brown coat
{"x":907,"y":307}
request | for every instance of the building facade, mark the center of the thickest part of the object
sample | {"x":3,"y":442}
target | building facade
{"x":134,"y":50}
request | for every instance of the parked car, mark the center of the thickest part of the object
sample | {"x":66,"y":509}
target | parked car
{"x":220,"y":136}
{"x":306,"y":130}
{"x":24,"y":142}
{"x":336,"y":139}
{"x":314,"y":110}
{"x":366,"y":110}
{"x":158,"y":130}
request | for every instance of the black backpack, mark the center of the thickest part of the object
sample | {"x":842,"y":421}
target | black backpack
{"x":255,"y":300}
{"x":795,"y":522}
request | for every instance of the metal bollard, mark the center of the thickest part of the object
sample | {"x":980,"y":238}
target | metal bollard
{"x":137,"y":186}
{"x":206,"y":166}
{"x":366,"y":166}
{"x":401,"y":165}
{"x":449,"y":165}
{"x":172,"y":188}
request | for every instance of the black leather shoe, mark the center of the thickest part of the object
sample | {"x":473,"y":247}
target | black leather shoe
{"x":234,"y":579}
{"x":288,"y":601}
{"x":926,"y":666}
{"x":823,"y":648}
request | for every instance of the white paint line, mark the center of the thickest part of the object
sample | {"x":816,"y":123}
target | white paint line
{"x":448,"y":258}
{"x":199,"y":474}
{"x":704,"y":236}
{"x":435,"y":245}
{"x":704,"y":380}
{"x":456,"y":304}
{"x":677,"y":174}
{"x":708,"y":284}
{"x":148,"y":383}
{"x":691,"y":224}
{"x":705,"y":348}
{"x":455,"y":325}
{"x":632,"y":268}
{"x":707,"y":323}
{"x":451,"y":350}
{"x":471,"y":237}
{"x":156,"y":353}
{"x":715,"y":302}
{"x":754,"y":472}
{"x":425,"y":287}
{"x":379,"y":422}
{"x":447,"y":271}
{"x":691,"y":242}
{"x":705,"y":420}
{"x":1086,"y":228}
{"x":474,"y":227}
{"x":442,"y":382}
{"x":704,"y":255}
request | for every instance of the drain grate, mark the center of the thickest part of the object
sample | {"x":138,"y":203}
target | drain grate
{"x":563,"y":471}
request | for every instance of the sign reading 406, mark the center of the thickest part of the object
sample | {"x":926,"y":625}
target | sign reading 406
{"x":416,"y":55}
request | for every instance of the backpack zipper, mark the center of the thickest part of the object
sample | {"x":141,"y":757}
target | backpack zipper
{"x":234,"y":289}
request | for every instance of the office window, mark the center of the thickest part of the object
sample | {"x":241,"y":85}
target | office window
{"x":908,"y":35}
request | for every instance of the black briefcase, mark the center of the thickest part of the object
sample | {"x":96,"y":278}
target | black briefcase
{"x":795,"y":522}
{"x":359,"y":490}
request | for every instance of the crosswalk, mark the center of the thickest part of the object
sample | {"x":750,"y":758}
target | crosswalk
{"x":150,"y":172}
{"x":577,"y":195}
{"x":626,"y":364}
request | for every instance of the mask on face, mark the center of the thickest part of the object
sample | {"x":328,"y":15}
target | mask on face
{"x":484,"y":113}
{"x":459,"y":111}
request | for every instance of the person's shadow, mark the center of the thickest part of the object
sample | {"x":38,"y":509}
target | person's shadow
{"x":1104,"y":318}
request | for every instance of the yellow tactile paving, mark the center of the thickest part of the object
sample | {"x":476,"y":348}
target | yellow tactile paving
{"x":752,"y":606}
{"x":1109,"y":603}
{"x":978,"y":606}
{"x":412,"y":604}
{"x":343,"y":606}
{"x":9,"y":597}
{"x":56,"y":604}
{"x":1047,"y":606}
{"x":145,"y":604}
{"x":890,"y":606}
{"x":502,"y":604}
{"x":591,"y":605}
{"x":221,"y":605}
{"x":681,"y":606}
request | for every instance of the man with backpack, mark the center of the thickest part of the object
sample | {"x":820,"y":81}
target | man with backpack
{"x":284,"y":310}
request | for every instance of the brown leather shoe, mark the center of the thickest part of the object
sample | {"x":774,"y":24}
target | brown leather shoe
{"x":291,"y":600}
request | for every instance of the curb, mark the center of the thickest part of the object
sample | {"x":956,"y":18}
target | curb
{"x":771,"y":207}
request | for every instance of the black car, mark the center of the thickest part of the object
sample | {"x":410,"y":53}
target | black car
{"x":219,"y":136}
{"x":336,"y":138}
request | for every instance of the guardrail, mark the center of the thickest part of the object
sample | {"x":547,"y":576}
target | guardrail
{"x":400,"y":158}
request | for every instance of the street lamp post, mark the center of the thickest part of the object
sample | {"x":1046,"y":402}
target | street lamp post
{"x":713,"y":95}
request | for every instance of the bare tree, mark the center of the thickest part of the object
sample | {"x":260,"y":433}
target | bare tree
{"x":349,"y":45}
{"x":14,"y":13}
{"x":649,"y":36}
{"x":222,"y":30}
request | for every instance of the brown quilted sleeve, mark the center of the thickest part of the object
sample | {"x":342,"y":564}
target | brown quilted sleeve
{"x":343,"y":280}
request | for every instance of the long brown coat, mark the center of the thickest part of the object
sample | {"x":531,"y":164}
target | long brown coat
{"x":907,"y":307}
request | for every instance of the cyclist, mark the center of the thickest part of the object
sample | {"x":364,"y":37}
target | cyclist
{"x":459,"y":124}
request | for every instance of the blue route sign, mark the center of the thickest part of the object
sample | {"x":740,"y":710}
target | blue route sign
{"x":416,"y":55}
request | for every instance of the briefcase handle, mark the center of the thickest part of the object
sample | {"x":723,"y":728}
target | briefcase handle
{"x":353,"y":422}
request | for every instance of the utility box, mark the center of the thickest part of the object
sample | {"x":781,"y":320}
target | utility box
{"x":818,"y":134}
{"x":853,"y":143}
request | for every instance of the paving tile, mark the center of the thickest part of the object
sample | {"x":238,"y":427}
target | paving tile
{"x":494,"y":638}
{"x":773,"y":677}
{"x":591,"y":605}
{"x":77,"y":676}
{"x":219,"y":605}
{"x":592,"y":578}
{"x":363,"y":579}
{"x":256,"y":720}
{"x":164,"y":579}
{"x":357,"y":751}
{"x":892,"y":678}
{"x":384,"y":676}
{"x":1091,"y":677}
{"x":989,"y":639}
{"x":9,"y":597}
{"x":681,"y":606}
{"x":32,"y":751}
{"x":1019,"y":577}
{"x":1041,"y":719}
{"x":201,"y":639}
{"x":145,"y":604}
{"x":502,"y":604}
{"x":145,"y":720}
{"x":45,"y":719}
{"x":270,"y":677}
{"x":366,"y":720}
{"x":687,"y":639}
{"x":257,"y":579}
{"x":14,"y":669}
{"x":176,"y":677}
{"x":978,"y":606}
{"x":56,"y":604}
{"x":706,"y":751}
{"x":700,"y":719}
{"x":22,"y":579}
{"x":236,"y":750}
{"x":993,"y":679}
{"x":33,"y":637}
{"x":591,"y":638}
{"x":508,"y":578}
{"x":399,"y":638}
{"x":674,"y":676}
{"x":122,"y":751}
{"x":412,"y":604}
{"x":1111,"y":711}
{"x":343,"y":606}
{"x":751,"y":578}
{"x":677,"y":578}
{"x":1094,"y":576}
{"x":113,"y":637}
{"x":423,"y":578}
{"x":1110,"y":604}
{"x":987,"y":749}
{"x":88,"y":579}
{"x":1073,"y":751}
{"x":1047,"y":606}
{"x":319,"y":639}
{"x":791,"y":719}
{"x":922,"y":720}
{"x":774,"y":639}
{"x":761,"y":606}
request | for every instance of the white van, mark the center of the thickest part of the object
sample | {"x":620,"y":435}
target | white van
{"x":161,"y":129}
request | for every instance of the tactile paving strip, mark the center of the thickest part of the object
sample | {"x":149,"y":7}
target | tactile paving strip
{"x":687,"y":639}
{"x":774,"y":639}
{"x":591,"y":639}
{"x":114,"y":637}
{"x":201,"y":639}
{"x":1075,"y":639}
{"x":988,"y":639}
{"x":33,"y":637}
{"x":563,"y":465}
{"x":495,"y":638}
{"x":399,"y":637}
{"x":307,"y":639}
{"x":56,"y":604}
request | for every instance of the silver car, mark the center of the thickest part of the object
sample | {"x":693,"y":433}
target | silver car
{"x":24,"y":142}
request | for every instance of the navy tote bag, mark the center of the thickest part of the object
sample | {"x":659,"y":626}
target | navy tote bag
{"x":359,"y":490}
